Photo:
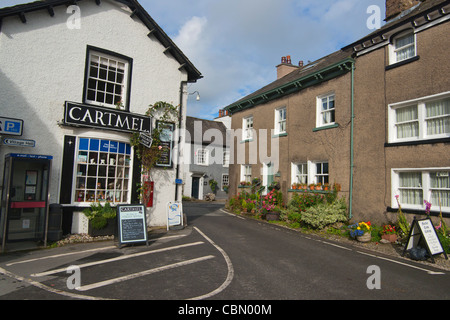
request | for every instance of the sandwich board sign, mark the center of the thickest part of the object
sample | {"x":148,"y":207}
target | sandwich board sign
{"x":174,"y":214}
{"x":132,"y":224}
{"x":423,"y":230}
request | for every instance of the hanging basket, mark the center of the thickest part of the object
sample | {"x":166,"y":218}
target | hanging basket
{"x":366,"y":237}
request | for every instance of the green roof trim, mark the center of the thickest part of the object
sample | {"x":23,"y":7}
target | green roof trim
{"x":332,"y":71}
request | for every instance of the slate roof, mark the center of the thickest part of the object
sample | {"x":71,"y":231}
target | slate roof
{"x":138,"y":11}
{"x":206,"y":125}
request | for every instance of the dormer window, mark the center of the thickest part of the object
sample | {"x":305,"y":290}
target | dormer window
{"x":403,"y":47}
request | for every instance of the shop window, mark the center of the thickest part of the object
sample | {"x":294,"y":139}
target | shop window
{"x":103,"y":171}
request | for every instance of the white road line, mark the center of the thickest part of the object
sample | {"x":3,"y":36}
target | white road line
{"x":233,"y":215}
{"x":402,"y":263}
{"x":61,"y":255}
{"x":49,"y":289}
{"x":230,"y":274}
{"x":41,"y":274}
{"x":334,"y":245}
{"x":84,"y":251}
{"x":141,"y":274}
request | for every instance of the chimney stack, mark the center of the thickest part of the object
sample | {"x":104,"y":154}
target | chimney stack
{"x":285,"y":67}
{"x":395,"y":7}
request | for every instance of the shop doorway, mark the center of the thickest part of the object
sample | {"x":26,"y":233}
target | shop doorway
{"x":24,"y":210}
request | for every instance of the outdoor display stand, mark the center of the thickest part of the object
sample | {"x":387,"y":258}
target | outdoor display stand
{"x":423,"y":231}
{"x":132,"y":224}
{"x":25,"y":199}
{"x":174,"y":215}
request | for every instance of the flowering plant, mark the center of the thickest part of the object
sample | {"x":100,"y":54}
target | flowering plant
{"x":269,"y":202}
{"x":358,"y":229}
{"x":427,"y":207}
{"x":388,"y":229}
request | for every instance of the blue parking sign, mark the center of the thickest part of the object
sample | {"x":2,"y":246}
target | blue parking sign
{"x":11,"y":126}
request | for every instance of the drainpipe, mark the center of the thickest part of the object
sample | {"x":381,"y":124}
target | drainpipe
{"x":180,"y":135}
{"x":351,"y":140}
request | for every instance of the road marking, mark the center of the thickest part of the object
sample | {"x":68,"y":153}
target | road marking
{"x":402,"y":263}
{"x":46,"y":288}
{"x":84,"y":251}
{"x":41,"y":274}
{"x":60,"y":255}
{"x":230,"y":274}
{"x":143,"y":273}
{"x":334,"y":245}
{"x":231,"y":214}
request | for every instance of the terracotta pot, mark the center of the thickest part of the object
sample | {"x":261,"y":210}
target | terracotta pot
{"x":389,"y":237}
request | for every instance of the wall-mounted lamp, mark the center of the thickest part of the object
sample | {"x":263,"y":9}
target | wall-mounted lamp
{"x":198,"y":95}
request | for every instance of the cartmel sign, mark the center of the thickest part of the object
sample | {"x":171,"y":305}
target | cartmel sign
{"x":77,"y":114}
{"x":132,"y":224}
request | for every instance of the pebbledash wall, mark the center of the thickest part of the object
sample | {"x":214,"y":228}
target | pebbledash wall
{"x":43,"y":65}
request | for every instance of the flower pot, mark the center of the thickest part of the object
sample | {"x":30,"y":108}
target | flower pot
{"x":366,"y":237}
{"x":389,"y":237}
{"x":272,"y":216}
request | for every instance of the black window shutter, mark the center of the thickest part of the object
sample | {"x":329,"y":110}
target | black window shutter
{"x":67,"y":170}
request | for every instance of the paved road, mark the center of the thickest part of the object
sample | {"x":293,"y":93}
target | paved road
{"x":218,"y":256}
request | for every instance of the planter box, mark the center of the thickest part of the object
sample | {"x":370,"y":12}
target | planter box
{"x":389,"y":237}
{"x":109,"y":230}
{"x":271,"y":216}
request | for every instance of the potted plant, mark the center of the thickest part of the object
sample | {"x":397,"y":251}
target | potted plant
{"x":389,"y":233}
{"x":101,"y":219}
{"x":361,"y":231}
{"x":318,"y":186}
{"x":268,"y":206}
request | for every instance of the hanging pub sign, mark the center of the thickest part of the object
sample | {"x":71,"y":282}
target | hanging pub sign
{"x":78,"y":114}
{"x":166,"y":143}
{"x":423,"y":231}
{"x":132,"y":224}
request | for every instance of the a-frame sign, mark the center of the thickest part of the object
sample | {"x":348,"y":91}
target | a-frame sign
{"x":423,"y":230}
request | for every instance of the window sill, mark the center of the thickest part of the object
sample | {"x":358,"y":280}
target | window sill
{"x":334,"y":125}
{"x":419,"y":212}
{"x":282,"y":134}
{"x":401,"y":63}
{"x":309,"y":191}
{"x":416,"y":142}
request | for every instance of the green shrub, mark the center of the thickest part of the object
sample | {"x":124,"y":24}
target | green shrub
{"x":99,"y":215}
{"x":303,"y":201}
{"x":323,"y":214}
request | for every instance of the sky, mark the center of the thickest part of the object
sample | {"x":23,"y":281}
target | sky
{"x":237,"y":44}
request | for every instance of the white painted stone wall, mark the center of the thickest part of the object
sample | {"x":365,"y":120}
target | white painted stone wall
{"x":42,"y":65}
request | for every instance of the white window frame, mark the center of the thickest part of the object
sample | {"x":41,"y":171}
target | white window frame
{"x":246,"y":172}
{"x":280,"y":120}
{"x":298,"y":174}
{"x":225,"y":180}
{"x":312,"y":176}
{"x":393,"y":49}
{"x":320,"y":111}
{"x":425,"y":186}
{"x":90,"y":78}
{"x":226,"y":159}
{"x":247,"y":128}
{"x":421,"y":104}
{"x":202,"y":157}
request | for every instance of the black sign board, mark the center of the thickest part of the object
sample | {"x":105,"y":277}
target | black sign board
{"x":423,"y":231}
{"x":166,"y":143}
{"x":78,"y":114}
{"x":145,"y":139}
{"x":132,"y":223}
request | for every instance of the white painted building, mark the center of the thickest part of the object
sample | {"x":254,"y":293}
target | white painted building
{"x":63,"y":68}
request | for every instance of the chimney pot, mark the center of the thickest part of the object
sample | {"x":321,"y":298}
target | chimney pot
{"x":300,"y":63}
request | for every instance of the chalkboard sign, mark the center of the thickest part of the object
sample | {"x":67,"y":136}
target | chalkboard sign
{"x":166,"y":143}
{"x":423,"y":230}
{"x":132,"y":223}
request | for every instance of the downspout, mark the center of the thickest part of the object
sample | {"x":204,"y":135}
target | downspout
{"x":351,"y":140}
{"x":180,"y":118}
